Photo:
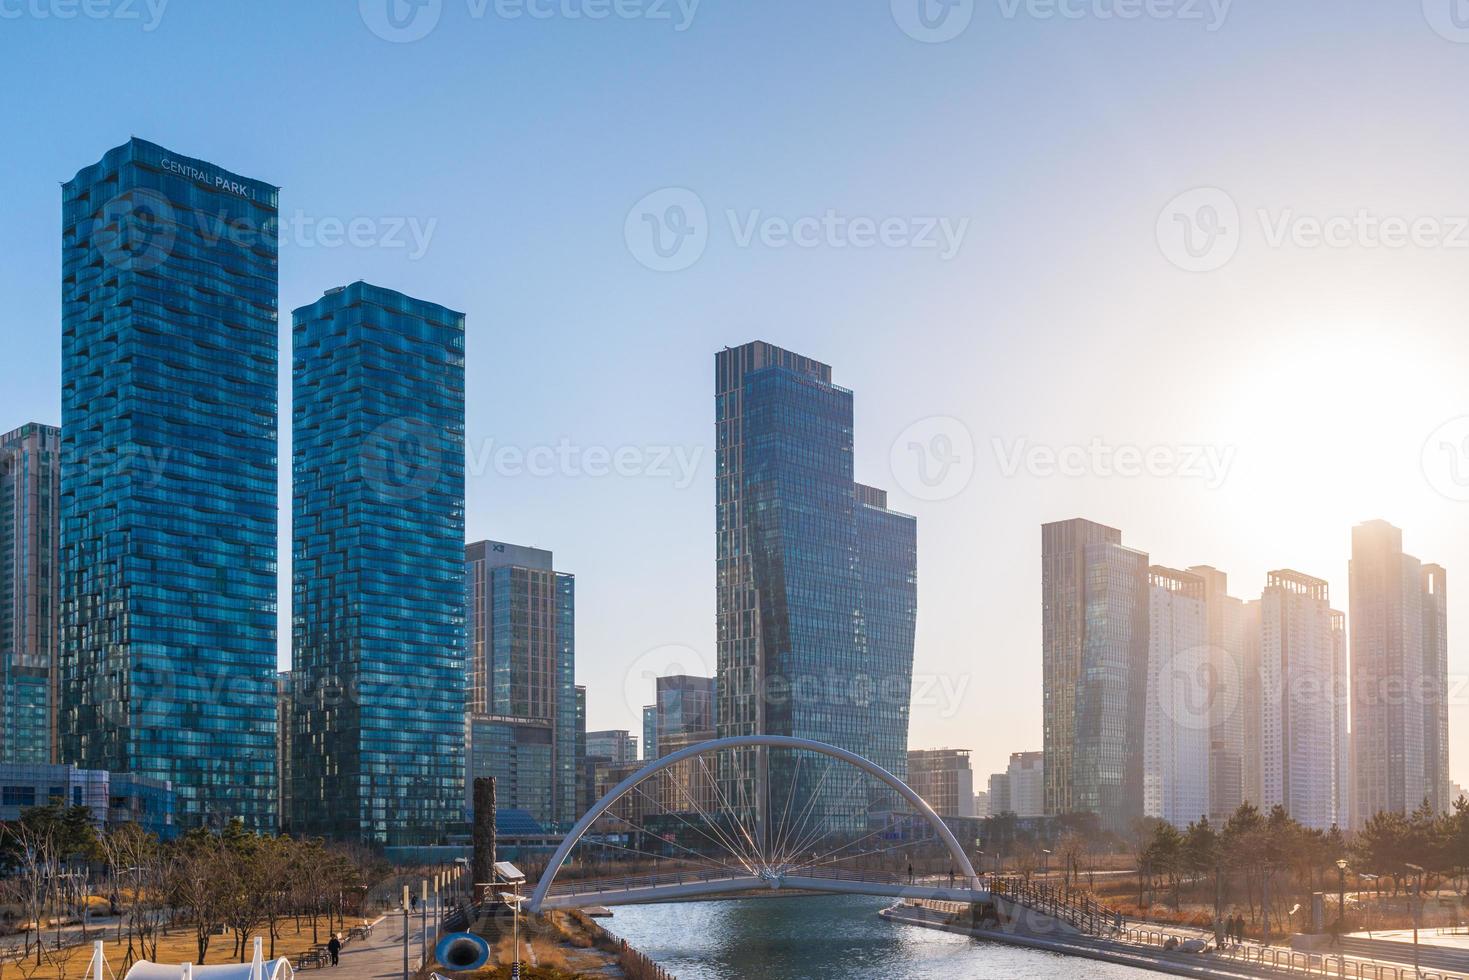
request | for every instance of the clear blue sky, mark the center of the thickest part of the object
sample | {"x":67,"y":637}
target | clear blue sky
{"x":524,"y":143}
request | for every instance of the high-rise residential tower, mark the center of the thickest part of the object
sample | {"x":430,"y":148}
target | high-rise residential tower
{"x":1302,"y":749}
{"x":522,"y":669}
{"x":1436,"y":675}
{"x":168,"y":505}
{"x":1179,"y":721}
{"x":30,"y":508}
{"x":1226,"y":682}
{"x":378,"y":671}
{"x":1094,"y":616}
{"x":1398,"y":687}
{"x":815,"y":578}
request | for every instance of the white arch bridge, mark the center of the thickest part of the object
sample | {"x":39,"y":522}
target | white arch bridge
{"x":752,"y":814}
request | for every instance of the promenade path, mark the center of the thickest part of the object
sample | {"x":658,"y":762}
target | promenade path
{"x":378,"y":957}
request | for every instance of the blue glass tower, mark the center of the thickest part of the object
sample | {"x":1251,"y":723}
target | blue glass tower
{"x":815,"y":581}
{"x":377,"y":737}
{"x":168,"y":506}
{"x":887,"y":567}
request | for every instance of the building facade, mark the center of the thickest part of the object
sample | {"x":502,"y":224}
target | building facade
{"x":522,"y":674}
{"x":1397,"y":687}
{"x":815,"y":585}
{"x":617,"y":745}
{"x":1094,"y":615}
{"x":168,"y":504}
{"x":685,"y":709}
{"x":944,"y":779}
{"x":1303,"y":752}
{"x":1225,"y":679}
{"x":378,"y":626}
{"x":1436,"y":676}
{"x":650,"y":732}
{"x":1179,"y":716}
{"x":30,"y":528}
{"x":1025,"y":783}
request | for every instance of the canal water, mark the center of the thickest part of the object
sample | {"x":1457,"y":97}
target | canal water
{"x":829,"y":938}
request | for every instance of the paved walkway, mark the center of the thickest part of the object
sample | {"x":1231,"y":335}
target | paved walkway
{"x":379,"y":957}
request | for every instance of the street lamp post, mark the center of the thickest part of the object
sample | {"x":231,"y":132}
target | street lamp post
{"x":1341,"y":900}
{"x":1415,"y":901}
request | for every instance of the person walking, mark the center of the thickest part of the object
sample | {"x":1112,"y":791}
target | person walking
{"x":334,"y":947}
{"x":910,"y":872}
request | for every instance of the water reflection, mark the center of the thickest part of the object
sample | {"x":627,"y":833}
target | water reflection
{"x":820,"y":938}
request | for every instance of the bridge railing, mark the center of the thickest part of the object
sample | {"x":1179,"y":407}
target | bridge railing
{"x":592,"y":886}
{"x":1080,"y":911}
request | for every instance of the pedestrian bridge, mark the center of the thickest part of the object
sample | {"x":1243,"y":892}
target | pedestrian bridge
{"x":813,"y":817}
{"x":685,"y":886}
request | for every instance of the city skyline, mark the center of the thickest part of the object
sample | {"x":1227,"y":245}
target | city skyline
{"x":1312,"y":336}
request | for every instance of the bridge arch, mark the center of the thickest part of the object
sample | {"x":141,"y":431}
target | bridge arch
{"x":956,"y":852}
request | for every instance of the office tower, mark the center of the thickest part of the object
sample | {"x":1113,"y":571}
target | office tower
{"x":1436,"y":675}
{"x":650,"y":732}
{"x":815,"y":585}
{"x":1397,"y":697}
{"x":684,"y":716}
{"x":1179,"y":717}
{"x":1224,"y":682}
{"x":1094,"y":625}
{"x":1301,"y":742}
{"x":887,"y":565}
{"x":30,"y":509}
{"x":522,"y":669}
{"x":617,"y":746}
{"x":944,"y":780}
{"x":378,"y":577}
{"x":168,"y":504}
{"x":1025,"y":784}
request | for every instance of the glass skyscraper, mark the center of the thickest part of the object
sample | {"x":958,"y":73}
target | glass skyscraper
{"x":168,"y":505}
{"x":377,"y":736}
{"x":1094,"y":635}
{"x":522,"y":678}
{"x":30,"y":490}
{"x":815,"y":583}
